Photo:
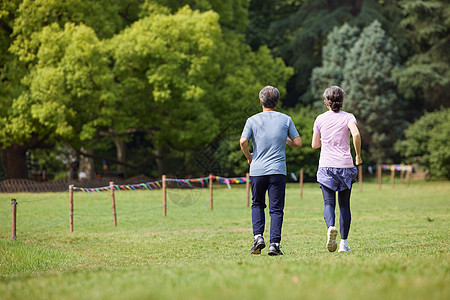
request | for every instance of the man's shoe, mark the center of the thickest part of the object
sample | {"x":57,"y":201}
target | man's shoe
{"x":274,"y":249}
{"x":331,"y":239}
{"x":258,"y":245}
{"x":344,"y":247}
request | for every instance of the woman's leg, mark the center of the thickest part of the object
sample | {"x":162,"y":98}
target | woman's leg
{"x":344,"y":209}
{"x":329,"y":199}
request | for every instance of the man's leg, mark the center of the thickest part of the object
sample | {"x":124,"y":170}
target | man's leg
{"x":276,"y":190}
{"x":259,"y":188}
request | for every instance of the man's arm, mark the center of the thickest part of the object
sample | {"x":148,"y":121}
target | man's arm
{"x":316,"y":142}
{"x":244,"y":148}
{"x":295,"y":143}
{"x":356,"y":141}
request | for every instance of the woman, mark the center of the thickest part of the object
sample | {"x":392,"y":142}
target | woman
{"x":336,"y":171}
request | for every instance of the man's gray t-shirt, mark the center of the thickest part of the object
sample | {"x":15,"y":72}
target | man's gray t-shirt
{"x":269,"y":131}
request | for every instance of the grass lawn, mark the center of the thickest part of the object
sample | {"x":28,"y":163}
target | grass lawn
{"x":399,"y":240}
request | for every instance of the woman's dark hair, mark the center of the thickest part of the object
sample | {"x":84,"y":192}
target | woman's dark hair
{"x":269,"y":96}
{"x":334,"y":96}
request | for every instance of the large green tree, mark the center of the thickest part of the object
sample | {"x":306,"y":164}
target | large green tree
{"x":174,"y":74}
{"x":371,"y":92}
{"x":51,"y":72}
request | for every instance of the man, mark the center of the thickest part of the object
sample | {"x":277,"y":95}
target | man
{"x":270,"y":131}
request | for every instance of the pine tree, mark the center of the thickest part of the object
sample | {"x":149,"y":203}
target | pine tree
{"x":425,"y":77}
{"x":303,"y":33}
{"x":371,"y":92}
{"x":334,"y":56}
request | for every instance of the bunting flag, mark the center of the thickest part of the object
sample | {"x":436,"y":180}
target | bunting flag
{"x":400,"y":167}
{"x":156,"y":185}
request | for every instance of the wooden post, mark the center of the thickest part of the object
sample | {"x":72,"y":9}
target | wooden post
{"x":402,"y":175}
{"x":113,"y":202}
{"x":301,"y":183}
{"x":408,"y":174}
{"x":71,"y":206}
{"x":392,"y":176}
{"x":379,"y":176}
{"x":210,"y":191}
{"x":13,"y":218}
{"x":247,"y":187}
{"x":360,"y":177}
{"x":164,"y":188}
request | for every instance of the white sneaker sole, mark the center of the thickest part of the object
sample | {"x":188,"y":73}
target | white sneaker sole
{"x":331,"y":242}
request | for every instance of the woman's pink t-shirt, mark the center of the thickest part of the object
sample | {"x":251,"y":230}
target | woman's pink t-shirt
{"x":335,"y":139}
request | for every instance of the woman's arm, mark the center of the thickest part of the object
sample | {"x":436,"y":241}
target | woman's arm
{"x":316,"y":143}
{"x":356,"y":141}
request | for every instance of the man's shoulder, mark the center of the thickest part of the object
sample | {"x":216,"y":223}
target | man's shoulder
{"x":254,"y":117}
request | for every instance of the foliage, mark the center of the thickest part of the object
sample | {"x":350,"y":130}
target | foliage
{"x":186,"y":75}
{"x":425,"y":77}
{"x":162,"y":70}
{"x":371,"y":93}
{"x":427,"y":142}
{"x":306,"y":157}
{"x":304,"y":33}
{"x":334,"y":57}
{"x":233,"y":13}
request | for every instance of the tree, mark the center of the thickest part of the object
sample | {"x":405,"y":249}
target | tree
{"x":261,"y":15}
{"x":41,"y":107}
{"x":169,"y":74}
{"x":304,"y":33}
{"x":371,"y":92}
{"x":427,"y":142}
{"x":334,"y":57}
{"x":233,"y":13}
{"x":425,"y":76}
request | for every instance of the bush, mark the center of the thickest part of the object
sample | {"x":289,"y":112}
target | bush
{"x":427,"y":142}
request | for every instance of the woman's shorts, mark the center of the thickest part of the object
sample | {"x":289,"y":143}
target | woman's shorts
{"x":337,"y":179}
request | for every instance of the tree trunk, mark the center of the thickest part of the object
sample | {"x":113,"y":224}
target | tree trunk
{"x":121,"y":149}
{"x":15,"y":161}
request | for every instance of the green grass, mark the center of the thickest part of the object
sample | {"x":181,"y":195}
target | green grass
{"x":399,"y":240}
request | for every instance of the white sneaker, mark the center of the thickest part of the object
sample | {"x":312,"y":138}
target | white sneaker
{"x":344,"y":247}
{"x":331,"y":238}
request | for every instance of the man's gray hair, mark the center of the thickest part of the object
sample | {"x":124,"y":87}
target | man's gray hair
{"x":269,"y":96}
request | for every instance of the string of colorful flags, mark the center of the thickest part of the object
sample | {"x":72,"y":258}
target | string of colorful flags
{"x":400,"y":167}
{"x":156,"y":185}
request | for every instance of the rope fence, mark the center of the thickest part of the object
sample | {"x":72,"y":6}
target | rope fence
{"x":165,"y":183}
